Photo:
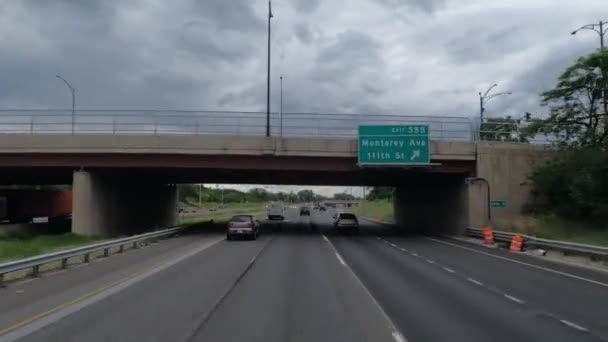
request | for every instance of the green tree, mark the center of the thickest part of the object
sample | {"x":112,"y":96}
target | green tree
{"x":306,"y":196}
{"x":344,"y":197}
{"x":579,"y":104}
{"x":380,"y":192}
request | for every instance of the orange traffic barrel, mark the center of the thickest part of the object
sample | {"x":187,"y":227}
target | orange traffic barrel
{"x":488,"y":236}
{"x":516,"y":244}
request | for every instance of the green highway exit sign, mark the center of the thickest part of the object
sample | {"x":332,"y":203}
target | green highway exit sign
{"x":394,"y":145}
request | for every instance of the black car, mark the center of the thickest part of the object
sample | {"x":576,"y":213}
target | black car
{"x":304,"y":211}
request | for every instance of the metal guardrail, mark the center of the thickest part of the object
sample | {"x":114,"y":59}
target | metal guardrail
{"x":35,"y":262}
{"x":597,"y":252}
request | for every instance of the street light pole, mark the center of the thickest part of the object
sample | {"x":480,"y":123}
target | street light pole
{"x":268,"y":74}
{"x":281,"y":115}
{"x":598,"y":28}
{"x":485,"y":97}
{"x":73,"y":93}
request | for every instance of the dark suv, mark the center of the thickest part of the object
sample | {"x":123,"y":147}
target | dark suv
{"x":304,"y":211}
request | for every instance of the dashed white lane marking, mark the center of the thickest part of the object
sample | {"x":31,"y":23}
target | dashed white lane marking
{"x":573,"y":325}
{"x":403,"y":249}
{"x":325,"y":238}
{"x":447,"y":269}
{"x":393,"y":245}
{"x":429,"y":261}
{"x":521,"y":263}
{"x":340,"y":259}
{"x":515,"y":299}
{"x":398,"y":337}
{"x":476,"y":282}
{"x":415,"y":254}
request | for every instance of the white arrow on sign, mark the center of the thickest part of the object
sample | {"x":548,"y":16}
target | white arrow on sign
{"x":415,"y":154}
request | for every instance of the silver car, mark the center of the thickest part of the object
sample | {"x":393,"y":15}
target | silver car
{"x":346,"y":222}
{"x":242,"y":226}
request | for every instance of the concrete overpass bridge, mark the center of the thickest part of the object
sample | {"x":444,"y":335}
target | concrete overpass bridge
{"x":122,"y":181}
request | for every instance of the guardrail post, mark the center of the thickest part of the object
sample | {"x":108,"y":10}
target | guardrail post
{"x":106,"y":252}
{"x":113,"y":125}
{"x":135,"y":245}
{"x":2,"y":280}
{"x":36,"y":271}
{"x":64,"y":263}
{"x":31,"y":125}
{"x":121,"y":248}
{"x":87,"y":257}
{"x":155,"y":127}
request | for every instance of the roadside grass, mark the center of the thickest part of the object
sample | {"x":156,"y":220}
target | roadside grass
{"x":556,"y":228}
{"x":18,"y":246}
{"x":236,"y":206}
{"x":382,"y":209}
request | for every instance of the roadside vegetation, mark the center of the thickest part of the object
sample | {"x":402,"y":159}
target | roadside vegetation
{"x":381,"y":209}
{"x":18,"y":246}
{"x":570,"y":190}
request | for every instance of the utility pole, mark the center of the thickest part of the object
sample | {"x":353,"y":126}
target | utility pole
{"x":601,"y":28}
{"x":73,"y":92}
{"x":281,"y":115}
{"x":268,"y":74}
{"x":485,"y":97}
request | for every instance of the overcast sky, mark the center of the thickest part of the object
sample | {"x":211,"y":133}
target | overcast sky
{"x":410,"y":57}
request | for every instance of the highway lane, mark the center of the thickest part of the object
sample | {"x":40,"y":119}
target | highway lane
{"x":284,"y":287}
{"x":583,"y":300}
{"x":432,"y":298}
{"x":297,"y":285}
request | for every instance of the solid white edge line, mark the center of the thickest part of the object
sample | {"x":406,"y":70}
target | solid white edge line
{"x":476,"y":282}
{"x":397,"y":335}
{"x":325,"y":238}
{"x":514,"y":299}
{"x":447,"y":269}
{"x":522,"y":263}
{"x":573,"y":325}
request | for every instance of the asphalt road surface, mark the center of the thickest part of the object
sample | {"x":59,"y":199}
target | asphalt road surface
{"x":307,"y":283}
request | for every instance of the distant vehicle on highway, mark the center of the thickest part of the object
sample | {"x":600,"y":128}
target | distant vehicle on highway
{"x":346,"y":222}
{"x":243,"y":226}
{"x":322,"y":208}
{"x":304,"y":211}
{"x":276,"y":211}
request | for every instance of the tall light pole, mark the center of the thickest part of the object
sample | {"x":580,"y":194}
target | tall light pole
{"x":73,"y":92}
{"x":281,"y":107}
{"x":485,"y":97}
{"x":268,"y":75}
{"x":600,"y":28}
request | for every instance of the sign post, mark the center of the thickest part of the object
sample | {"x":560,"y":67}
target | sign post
{"x":394,"y":145}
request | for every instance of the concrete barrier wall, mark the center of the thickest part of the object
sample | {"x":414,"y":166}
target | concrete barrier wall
{"x":209,"y":145}
{"x":506,"y":166}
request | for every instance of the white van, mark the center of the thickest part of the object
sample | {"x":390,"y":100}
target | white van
{"x":275,"y":211}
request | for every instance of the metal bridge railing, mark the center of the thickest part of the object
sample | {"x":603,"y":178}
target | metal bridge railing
{"x":219,"y":123}
{"x":170,"y":122}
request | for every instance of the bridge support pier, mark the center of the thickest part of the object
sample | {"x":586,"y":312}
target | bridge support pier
{"x":104,"y":206}
{"x":432,"y":205}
